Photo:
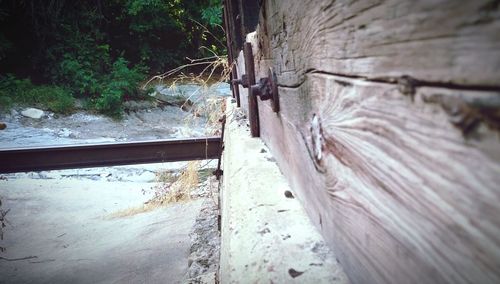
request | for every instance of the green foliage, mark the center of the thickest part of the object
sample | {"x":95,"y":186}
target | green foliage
{"x":18,"y":90}
{"x":84,"y":62}
{"x":98,"y":50}
{"x":125,"y":79}
{"x":122,"y":82}
{"x":212,"y":14}
{"x":6,"y":101}
{"x":76,"y":76}
{"x":53,"y":98}
{"x":23,"y":92}
{"x":110,"y":103}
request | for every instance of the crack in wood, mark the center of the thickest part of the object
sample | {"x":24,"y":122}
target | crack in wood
{"x":397,"y":80}
{"x":466,"y":112}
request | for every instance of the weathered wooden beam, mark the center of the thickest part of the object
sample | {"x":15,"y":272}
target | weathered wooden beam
{"x":390,"y":181}
{"x":436,"y":41}
{"x":388,"y":131}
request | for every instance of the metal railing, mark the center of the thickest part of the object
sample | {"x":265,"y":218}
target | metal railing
{"x":108,"y":154}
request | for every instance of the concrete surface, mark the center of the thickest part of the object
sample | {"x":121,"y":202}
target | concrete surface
{"x":67,"y":229}
{"x":266,"y":236}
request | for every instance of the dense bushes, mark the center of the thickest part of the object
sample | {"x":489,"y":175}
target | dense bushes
{"x":53,"y":98}
{"x":99,"y":50}
{"x":122,"y":82}
{"x":103,"y":93}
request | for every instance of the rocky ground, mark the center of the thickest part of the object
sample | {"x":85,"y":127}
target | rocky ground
{"x":163,"y":117}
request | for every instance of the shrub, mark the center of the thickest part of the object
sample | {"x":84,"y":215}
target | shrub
{"x":23,"y":92}
{"x":5,"y":101}
{"x":105,"y":92}
{"x":76,"y":77}
{"x":53,"y":98}
{"x":126,"y":79}
{"x":110,"y":103}
{"x":121,"y":83}
{"x":83,"y":65}
{"x":13,"y":91}
{"x":17,"y":89}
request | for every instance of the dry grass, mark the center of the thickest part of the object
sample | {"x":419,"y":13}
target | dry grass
{"x":181,"y":189}
{"x":167,"y":176}
{"x":216,"y":70}
{"x":177,"y":187}
{"x":212,"y":109}
{"x":208,"y":75}
{"x":170,"y":188}
{"x":132,"y":211}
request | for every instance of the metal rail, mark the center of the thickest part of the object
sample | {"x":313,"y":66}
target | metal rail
{"x":108,"y":154}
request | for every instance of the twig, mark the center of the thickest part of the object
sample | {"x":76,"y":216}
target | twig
{"x":205,"y":58}
{"x":210,"y":33}
{"x":209,"y":50}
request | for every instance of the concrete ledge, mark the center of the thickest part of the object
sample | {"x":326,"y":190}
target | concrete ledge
{"x":266,"y":236}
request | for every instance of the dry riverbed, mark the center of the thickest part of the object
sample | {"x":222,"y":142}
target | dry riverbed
{"x":68,"y":226}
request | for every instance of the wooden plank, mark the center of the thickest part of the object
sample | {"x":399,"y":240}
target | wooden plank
{"x":393,"y":186}
{"x":442,"y":41}
{"x":388,"y":131}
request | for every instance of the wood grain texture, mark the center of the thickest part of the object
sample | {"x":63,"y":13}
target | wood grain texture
{"x":390,"y":182}
{"x":435,"y":40}
{"x":402,"y":180}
